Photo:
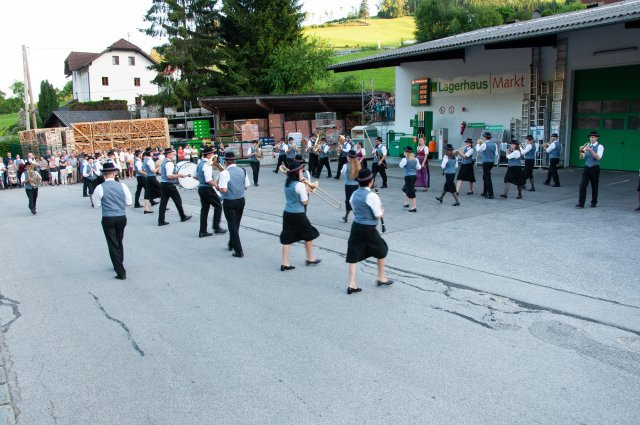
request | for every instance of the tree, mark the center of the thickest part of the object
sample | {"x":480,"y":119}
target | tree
{"x":390,"y":9}
{"x":252,"y":30}
{"x":442,"y":18}
{"x":363,"y":11}
{"x":66,"y":93}
{"x":47,"y":100}
{"x":191,"y":28}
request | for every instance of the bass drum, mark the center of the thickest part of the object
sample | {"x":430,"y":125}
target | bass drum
{"x":188,"y":168}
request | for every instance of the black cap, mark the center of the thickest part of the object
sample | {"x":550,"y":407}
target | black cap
{"x":469,"y":140}
{"x":290,"y":138}
{"x":137,"y":152}
{"x":365,"y":175}
{"x":514,"y":142}
{"x":352,"y":154}
{"x":168,"y":151}
{"x":448,"y":147}
{"x":207,"y":150}
{"x":486,"y":134}
{"x":594,"y":134}
{"x":529,"y":137}
{"x":229,"y":156}
{"x":111,"y":152}
{"x":554,"y":134}
{"x":408,"y":149}
{"x":299,"y":159}
{"x":146,"y":153}
{"x":109,"y":166}
{"x":295,"y":167}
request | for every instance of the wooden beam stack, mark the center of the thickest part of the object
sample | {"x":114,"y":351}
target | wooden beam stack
{"x":131,"y":134}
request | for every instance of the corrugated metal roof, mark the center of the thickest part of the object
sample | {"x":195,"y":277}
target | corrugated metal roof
{"x":70,"y":117}
{"x":589,"y":18}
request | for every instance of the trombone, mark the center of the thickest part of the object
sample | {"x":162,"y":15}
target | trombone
{"x":313,"y":188}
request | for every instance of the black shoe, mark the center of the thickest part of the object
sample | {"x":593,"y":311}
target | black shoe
{"x":519,"y":196}
{"x":546,"y":183}
{"x":328,"y":177}
{"x":237,"y":254}
{"x":148,"y":212}
{"x":256,"y":184}
{"x":345,"y":218}
{"x":85,"y":196}
{"x":490,"y":197}
{"x":470,"y":193}
{"x":413,"y":210}
{"x":204,"y":234}
{"x":284,"y":268}
{"x":533,"y":189}
{"x":154,"y":203}
{"x":406,"y":205}
{"x":164,"y":223}
{"x":593,"y":205}
{"x":337,"y":178}
{"x":137,"y":206}
{"x":579,"y":205}
{"x":637,"y":209}
{"x":456,"y":204}
{"x":384,"y":186}
{"x":33,"y":212}
{"x":121,"y":277}
{"x":219,"y":231}
{"x":439,"y":199}
{"x":185,"y":218}
{"x":556,"y":185}
{"x":388,"y":282}
{"x":313,"y":263}
{"x":351,"y":290}
{"x":503,"y":196}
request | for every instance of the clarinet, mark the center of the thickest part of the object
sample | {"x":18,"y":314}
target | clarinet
{"x":384,"y":229}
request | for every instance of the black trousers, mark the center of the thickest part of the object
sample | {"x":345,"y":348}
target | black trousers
{"x":528,"y":169}
{"x":169,"y":190}
{"x":552,"y":172}
{"x":382,"y":169}
{"x":113,"y":228}
{"x":341,"y":161}
{"x":142,"y":184}
{"x":282,"y":159}
{"x":255,"y":168}
{"x":313,"y":163}
{"x":324,"y":162}
{"x":209,"y":198}
{"x":233,"y":210}
{"x":589,"y":175}
{"x":32,"y":194}
{"x":90,"y":185}
{"x":486,"y":179}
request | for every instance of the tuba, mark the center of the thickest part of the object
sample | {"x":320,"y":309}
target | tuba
{"x":34,"y":177}
{"x":259,"y":154}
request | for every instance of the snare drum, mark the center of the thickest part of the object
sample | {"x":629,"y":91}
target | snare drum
{"x":188,"y":168}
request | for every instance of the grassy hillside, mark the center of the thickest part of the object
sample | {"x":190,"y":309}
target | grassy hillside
{"x":7,"y":120}
{"x":390,"y":32}
{"x":384,"y":78}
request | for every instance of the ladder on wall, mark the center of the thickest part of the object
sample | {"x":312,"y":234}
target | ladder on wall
{"x":535,"y":107}
{"x":558,"y":99}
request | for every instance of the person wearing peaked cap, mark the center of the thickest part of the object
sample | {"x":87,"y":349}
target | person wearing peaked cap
{"x":89,"y":178}
{"x":411,"y":166}
{"x":554,"y":149}
{"x":487,"y":150}
{"x":292,"y":150}
{"x":141,"y":177}
{"x":323,"y":158}
{"x":114,"y":197}
{"x":254,"y":161}
{"x":168,"y":179}
{"x":305,"y":173}
{"x":350,"y":170}
{"x":30,"y":180}
{"x":379,"y":162}
{"x":345,"y":148}
{"x":282,"y":149}
{"x":466,"y":172}
{"x":295,"y":224}
{"x":232,"y":183}
{"x":313,"y":156}
{"x":592,"y":155}
{"x":97,"y":168}
{"x":514,"y":170}
{"x":449,"y":165}
{"x":529,"y":155}
{"x":208,"y":195}
{"x":113,"y":159}
{"x":152,"y":187}
{"x":364,"y":239}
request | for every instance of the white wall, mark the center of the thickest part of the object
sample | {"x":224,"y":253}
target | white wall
{"x":490,"y":108}
{"x":80,"y":81}
{"x":121,"y":85}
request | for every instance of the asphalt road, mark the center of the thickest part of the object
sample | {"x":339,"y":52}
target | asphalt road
{"x":504,"y":311}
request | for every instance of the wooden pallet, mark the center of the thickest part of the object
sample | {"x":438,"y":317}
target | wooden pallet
{"x":125,"y":134}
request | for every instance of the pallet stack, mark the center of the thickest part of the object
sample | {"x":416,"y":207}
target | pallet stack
{"x":46,"y":140}
{"x":131,"y":134}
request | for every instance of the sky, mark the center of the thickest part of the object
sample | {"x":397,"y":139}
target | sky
{"x":55,"y":28}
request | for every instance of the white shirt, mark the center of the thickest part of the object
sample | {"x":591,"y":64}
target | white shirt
{"x":97,"y":194}
{"x":123,"y":157}
{"x":599,"y":150}
{"x":481,"y":147}
{"x":325,"y":148}
{"x":150,"y":163}
{"x":364,"y":152}
{"x":469,"y":153}
{"x":552,"y":146}
{"x":403,"y":163}
{"x":208,"y":173}
{"x":383,"y":149}
{"x":138,"y":165}
{"x":445,"y":160}
{"x":169,"y":167}
{"x":97,"y":168}
{"x":301,"y":190}
{"x":528,"y":148}
{"x":373,"y":200}
{"x":514,"y":155}
{"x":223,"y":179}
{"x":91,"y":170}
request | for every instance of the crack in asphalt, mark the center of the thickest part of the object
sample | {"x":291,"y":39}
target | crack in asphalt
{"x":4,"y":301}
{"x":119,"y":322}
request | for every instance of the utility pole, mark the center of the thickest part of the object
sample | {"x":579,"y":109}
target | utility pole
{"x":26,"y":95}
{"x":33,"y":109}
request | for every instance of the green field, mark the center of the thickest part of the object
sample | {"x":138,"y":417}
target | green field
{"x":383,"y":78}
{"x":6,"y":121}
{"x":390,"y":32}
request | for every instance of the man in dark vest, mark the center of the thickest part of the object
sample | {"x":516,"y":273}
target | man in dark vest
{"x":141,"y":177}
{"x":592,"y":156}
{"x":208,"y":196}
{"x":345,"y":147}
{"x":232,"y":182}
{"x":113,"y":196}
{"x":554,"y":149}
{"x":168,"y":189}
{"x":487,"y":151}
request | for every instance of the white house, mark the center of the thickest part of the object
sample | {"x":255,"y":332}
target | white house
{"x":568,"y":74}
{"x":120,"y":72}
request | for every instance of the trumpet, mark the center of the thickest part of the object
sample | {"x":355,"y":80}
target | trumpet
{"x":215,"y":162}
{"x":480,"y":141}
{"x":315,"y":189}
{"x":584,"y":147}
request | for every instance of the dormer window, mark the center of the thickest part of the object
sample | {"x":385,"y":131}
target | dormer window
{"x":115,"y":60}
{"x":132,"y":61}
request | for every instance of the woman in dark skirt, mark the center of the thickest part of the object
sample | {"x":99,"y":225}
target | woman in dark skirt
{"x":364,"y":239}
{"x":529,"y":155}
{"x":295,"y":224}
{"x":350,"y":170}
{"x":449,"y":165}
{"x":466,"y":173}
{"x":514,"y":171}
{"x":422,"y":176}
{"x":411,"y":166}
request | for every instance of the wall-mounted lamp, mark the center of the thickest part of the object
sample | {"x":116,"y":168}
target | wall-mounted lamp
{"x":613,"y":51}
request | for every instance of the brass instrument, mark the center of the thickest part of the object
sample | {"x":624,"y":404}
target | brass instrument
{"x":316,"y":148}
{"x":480,"y":142}
{"x":259,"y":153}
{"x":34,"y":177}
{"x":584,"y":147}
{"x":215,"y":162}
{"x":315,"y":189}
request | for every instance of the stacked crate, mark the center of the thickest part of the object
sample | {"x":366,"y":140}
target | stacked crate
{"x":201,"y":129}
{"x":275,"y":125}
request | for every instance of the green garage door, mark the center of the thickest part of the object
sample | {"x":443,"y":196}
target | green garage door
{"x":608,"y":100}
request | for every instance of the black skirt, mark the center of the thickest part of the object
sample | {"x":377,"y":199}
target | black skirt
{"x":409,"y":187}
{"x":365,"y":242}
{"x":296,"y":227}
{"x":449,"y":184}
{"x":348,"y":191}
{"x":528,"y":168}
{"x":152,"y":189}
{"x":466,"y":173}
{"x":514,"y":175}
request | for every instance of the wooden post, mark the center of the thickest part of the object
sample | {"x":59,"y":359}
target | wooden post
{"x":26,"y":94}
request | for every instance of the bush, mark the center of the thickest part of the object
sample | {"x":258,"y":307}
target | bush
{"x":100,"y":105}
